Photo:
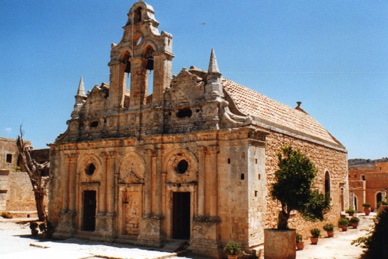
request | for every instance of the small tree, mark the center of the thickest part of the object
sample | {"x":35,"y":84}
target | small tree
{"x":293,"y":187}
{"x":35,"y":172}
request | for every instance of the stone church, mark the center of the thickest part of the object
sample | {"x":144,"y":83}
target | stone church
{"x":153,"y":157}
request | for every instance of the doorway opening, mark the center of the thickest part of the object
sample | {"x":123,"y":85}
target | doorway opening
{"x":181,"y":215}
{"x":89,"y":211}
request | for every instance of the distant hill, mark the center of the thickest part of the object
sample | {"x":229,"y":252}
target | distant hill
{"x":360,"y":163}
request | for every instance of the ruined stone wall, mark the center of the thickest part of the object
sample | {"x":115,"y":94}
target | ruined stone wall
{"x":20,"y":196}
{"x":325,"y":159}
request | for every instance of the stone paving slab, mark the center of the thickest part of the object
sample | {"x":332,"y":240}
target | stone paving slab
{"x":16,"y":242}
{"x":339,"y":246}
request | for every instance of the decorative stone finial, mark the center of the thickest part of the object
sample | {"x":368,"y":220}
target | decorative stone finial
{"x":213,"y":67}
{"x":81,"y":88}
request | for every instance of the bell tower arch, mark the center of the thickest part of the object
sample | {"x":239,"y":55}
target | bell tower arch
{"x":149,"y":50}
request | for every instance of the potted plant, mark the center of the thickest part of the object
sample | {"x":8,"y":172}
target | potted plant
{"x":299,"y":242}
{"x":293,"y":189}
{"x":232,"y":250}
{"x":366,"y":208}
{"x":354,"y":222}
{"x":329,"y":228}
{"x":350,"y":211}
{"x":315,"y":232}
{"x":343,"y":223}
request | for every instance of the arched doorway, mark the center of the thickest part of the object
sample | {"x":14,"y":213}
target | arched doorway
{"x":355,"y":203}
{"x":379,"y":198}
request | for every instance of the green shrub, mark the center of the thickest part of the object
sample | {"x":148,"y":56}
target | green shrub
{"x":232,"y":248}
{"x":315,"y":232}
{"x":354,"y":220}
{"x":6,"y":215}
{"x":343,"y":222}
{"x":376,"y":240}
{"x":367,"y":205}
{"x":350,"y":210}
{"x":328,"y":227}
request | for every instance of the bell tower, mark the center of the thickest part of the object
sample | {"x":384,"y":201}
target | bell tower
{"x":141,"y":53}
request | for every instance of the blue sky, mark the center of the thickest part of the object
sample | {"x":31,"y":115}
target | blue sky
{"x":330,"y":54}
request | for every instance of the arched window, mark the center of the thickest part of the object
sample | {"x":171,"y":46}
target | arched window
{"x":327,"y":187}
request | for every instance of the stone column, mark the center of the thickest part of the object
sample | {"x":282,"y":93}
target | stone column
{"x":204,"y":236}
{"x":162,"y":76}
{"x":201,"y":181}
{"x":211,"y":181}
{"x":66,"y":226}
{"x":107,"y":213}
{"x":138,"y":82}
{"x":117,"y":85}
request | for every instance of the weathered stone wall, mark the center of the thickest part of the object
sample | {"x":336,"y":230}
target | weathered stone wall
{"x":325,"y":160}
{"x":20,"y":196}
{"x":367,"y":183}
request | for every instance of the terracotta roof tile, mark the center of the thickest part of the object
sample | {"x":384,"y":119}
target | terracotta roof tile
{"x":276,"y":114}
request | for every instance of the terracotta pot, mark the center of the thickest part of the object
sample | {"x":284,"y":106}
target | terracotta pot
{"x":279,"y":244}
{"x":232,"y":256}
{"x":367,"y":211}
{"x":330,"y":233}
{"x":344,"y":228}
{"x":351,"y":214}
{"x":354,"y":225}
{"x":314,"y":240}
{"x":300,"y":245}
{"x":34,"y":232}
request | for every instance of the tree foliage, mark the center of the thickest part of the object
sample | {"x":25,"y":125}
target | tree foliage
{"x":376,"y":240}
{"x":293,"y":187}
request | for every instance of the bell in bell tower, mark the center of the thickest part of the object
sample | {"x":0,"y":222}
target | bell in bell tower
{"x":141,"y":50}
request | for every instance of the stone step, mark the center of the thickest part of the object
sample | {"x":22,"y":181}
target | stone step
{"x":175,"y":246}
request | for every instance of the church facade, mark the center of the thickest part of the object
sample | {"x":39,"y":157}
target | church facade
{"x":185,"y":157}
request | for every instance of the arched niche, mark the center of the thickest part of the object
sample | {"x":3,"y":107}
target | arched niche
{"x":132,"y":169}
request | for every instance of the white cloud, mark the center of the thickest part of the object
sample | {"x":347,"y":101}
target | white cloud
{"x":8,"y":130}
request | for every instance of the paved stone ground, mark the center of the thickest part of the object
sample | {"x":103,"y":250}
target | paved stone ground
{"x":339,"y":246}
{"x":16,"y":242}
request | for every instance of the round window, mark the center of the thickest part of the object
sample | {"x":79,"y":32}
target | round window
{"x":182,"y":167}
{"x":90,"y":169}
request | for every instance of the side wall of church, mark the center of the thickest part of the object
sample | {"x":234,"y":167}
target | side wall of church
{"x":326,"y":160}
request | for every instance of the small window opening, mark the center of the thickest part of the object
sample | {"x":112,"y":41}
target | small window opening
{"x":9,"y":158}
{"x":228,"y":160}
{"x":182,"y":113}
{"x":137,"y":15}
{"x":182,"y":167}
{"x":94,"y":124}
{"x":255,"y":193}
{"x":242,"y":176}
{"x":255,"y":161}
{"x":90,"y":169}
{"x":259,"y":176}
{"x":363,"y":177}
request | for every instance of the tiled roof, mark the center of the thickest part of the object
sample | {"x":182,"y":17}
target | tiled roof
{"x":276,"y":115}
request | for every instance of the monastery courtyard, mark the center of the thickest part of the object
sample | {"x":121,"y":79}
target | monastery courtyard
{"x":16,"y":242}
